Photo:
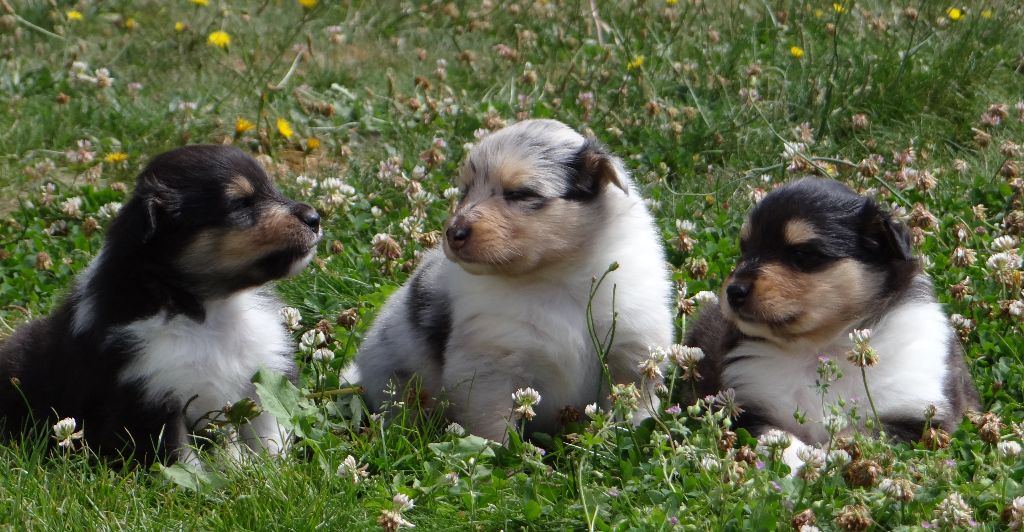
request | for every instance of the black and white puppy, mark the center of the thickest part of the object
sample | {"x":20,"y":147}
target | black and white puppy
{"x":817,"y":262}
{"x":503,"y":305}
{"x":169,"y":322}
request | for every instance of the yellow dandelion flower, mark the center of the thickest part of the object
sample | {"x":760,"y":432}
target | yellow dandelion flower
{"x":130,"y":24}
{"x":242,"y":125}
{"x":671,"y":2}
{"x":179,"y":26}
{"x":796,"y":52}
{"x":74,"y":14}
{"x":954,"y":13}
{"x":308,"y":4}
{"x":838,"y":8}
{"x":219,"y":38}
{"x":986,"y":13}
{"x":818,"y":13}
{"x":200,"y":2}
{"x":312,"y":143}
{"x":116,"y":157}
{"x":636,"y":63}
{"x":284,"y":128}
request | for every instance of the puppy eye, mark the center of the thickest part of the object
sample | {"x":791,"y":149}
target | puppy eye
{"x":808,"y":257}
{"x":243,"y":202}
{"x":521,"y":194}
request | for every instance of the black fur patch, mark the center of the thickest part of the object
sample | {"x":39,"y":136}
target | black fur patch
{"x":590,"y":171}
{"x":430,"y":312}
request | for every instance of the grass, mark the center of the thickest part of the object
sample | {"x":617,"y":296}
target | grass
{"x":697,"y":97}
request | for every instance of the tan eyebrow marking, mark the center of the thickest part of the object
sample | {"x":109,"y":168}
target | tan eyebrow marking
{"x":240,"y":187}
{"x":799,"y":232}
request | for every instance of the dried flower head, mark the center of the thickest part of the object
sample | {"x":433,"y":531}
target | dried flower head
{"x":854,"y":517}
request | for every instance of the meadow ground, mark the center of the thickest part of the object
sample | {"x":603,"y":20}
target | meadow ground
{"x":365,"y":109}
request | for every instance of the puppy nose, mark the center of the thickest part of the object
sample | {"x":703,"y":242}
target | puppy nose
{"x":308,"y":215}
{"x":457,"y":235}
{"x":737,"y":293}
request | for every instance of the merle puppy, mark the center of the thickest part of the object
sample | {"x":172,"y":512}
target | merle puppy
{"x":817,"y":262}
{"x":169,"y":321}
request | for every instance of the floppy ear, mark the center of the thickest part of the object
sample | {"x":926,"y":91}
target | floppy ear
{"x":882,"y":235}
{"x":595,"y":169}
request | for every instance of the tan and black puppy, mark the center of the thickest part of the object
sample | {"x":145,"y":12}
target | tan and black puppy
{"x":169,"y":322}
{"x":503,"y":306}
{"x":817,"y":262}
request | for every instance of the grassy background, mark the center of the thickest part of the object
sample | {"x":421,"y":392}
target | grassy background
{"x":699,"y":98}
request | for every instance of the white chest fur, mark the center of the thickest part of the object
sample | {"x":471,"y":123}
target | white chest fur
{"x":912,"y":342}
{"x":209,"y":363}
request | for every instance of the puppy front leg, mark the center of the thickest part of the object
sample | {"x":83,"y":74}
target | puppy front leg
{"x":480,"y":400}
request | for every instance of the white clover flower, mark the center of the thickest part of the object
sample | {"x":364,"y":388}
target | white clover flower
{"x":109,"y":210}
{"x":455,"y":429}
{"x":102,"y":78}
{"x":419,"y":172}
{"x":1016,"y":308}
{"x":1004,"y":243}
{"x":376,"y":212}
{"x":897,"y":489}
{"x":709,"y":464}
{"x":862,"y":354}
{"x":813,"y":458}
{"x":79,"y":67}
{"x":792,"y":149}
{"x":1015,"y":514}
{"x":961,"y":322}
{"x":706,"y":297}
{"x":838,"y":458}
{"x":834,"y":424}
{"x":291,"y":318}
{"x":64,"y":432}
{"x":809,"y":528}
{"x":451,"y":193}
{"x":411,"y":225}
{"x":1009,"y":450}
{"x":525,"y":399}
{"x":402,"y":502}
{"x":323,"y":355}
{"x":592,"y":410}
{"x":350,"y":468}
{"x":685,"y":226}
{"x":332,"y":183}
{"x":72,"y":207}
{"x":312,"y":339}
{"x":774,"y":439}
{"x":1004,"y":260}
{"x":953,"y":512}
{"x":685,"y":356}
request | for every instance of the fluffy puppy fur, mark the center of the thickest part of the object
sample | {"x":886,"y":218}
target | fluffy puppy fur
{"x":818,"y":261}
{"x":502,"y":305}
{"x":168,"y":323}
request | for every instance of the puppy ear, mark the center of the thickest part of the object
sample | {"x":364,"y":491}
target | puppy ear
{"x":595,"y":169}
{"x":158,"y":202}
{"x":882,"y":235}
